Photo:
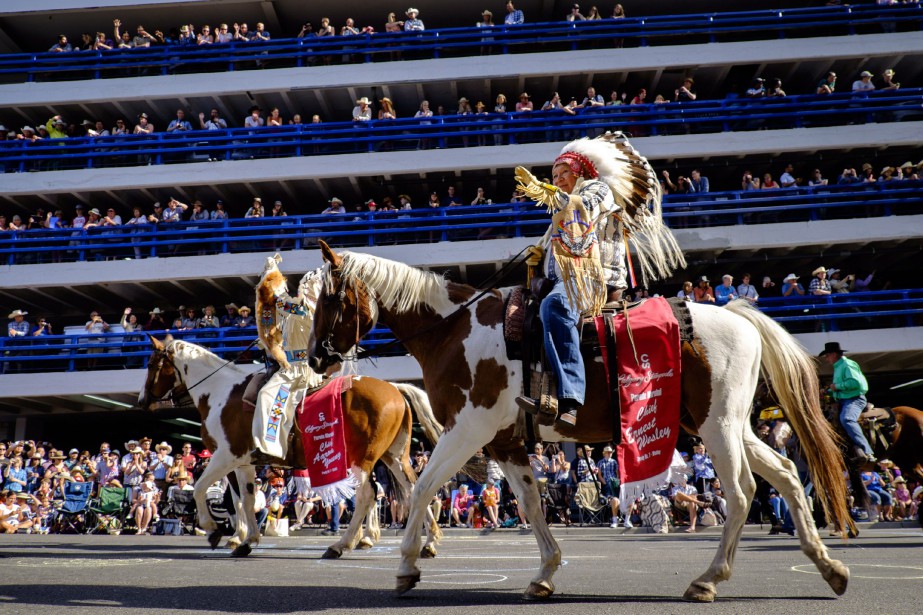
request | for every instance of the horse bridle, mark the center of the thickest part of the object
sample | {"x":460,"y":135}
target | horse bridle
{"x":338,"y":295}
{"x":179,"y":388}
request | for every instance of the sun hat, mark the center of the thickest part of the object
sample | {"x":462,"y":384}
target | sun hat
{"x":790,"y":276}
{"x":819,"y":270}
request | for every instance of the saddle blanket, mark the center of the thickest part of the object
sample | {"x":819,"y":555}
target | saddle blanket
{"x":649,"y":361}
{"x":323,"y":435}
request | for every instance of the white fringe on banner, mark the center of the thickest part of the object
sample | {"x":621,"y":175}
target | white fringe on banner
{"x":336,"y":492}
{"x":629,"y":492}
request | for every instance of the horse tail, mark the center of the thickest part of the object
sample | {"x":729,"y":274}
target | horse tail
{"x":418,"y":401}
{"x":792,"y":375}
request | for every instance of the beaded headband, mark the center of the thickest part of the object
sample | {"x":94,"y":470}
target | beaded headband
{"x":578,"y":163}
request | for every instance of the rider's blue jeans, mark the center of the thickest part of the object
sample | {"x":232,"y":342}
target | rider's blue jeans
{"x":562,"y":344}
{"x":849,"y":419}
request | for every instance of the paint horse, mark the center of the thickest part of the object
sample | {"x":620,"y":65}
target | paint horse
{"x":472,"y":387}
{"x":377,"y":419}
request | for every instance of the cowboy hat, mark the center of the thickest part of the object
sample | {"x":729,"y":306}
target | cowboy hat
{"x":335,"y":200}
{"x":60,"y":122}
{"x":228,"y":306}
{"x":73,"y":451}
{"x":890,"y":72}
{"x":790,"y":276}
{"x":819,"y":270}
{"x":486,"y":12}
{"x":205,"y":454}
{"x":900,"y":479}
{"x":95,"y":211}
{"x":405,"y":197}
{"x":832,"y":272}
{"x":144,"y":439}
{"x":524,"y":95}
{"x":28,"y":128}
{"x":244,"y":308}
{"x":57,"y":455}
{"x":135,"y":450}
{"x":164,"y":445}
{"x":607,"y":449}
{"x":130,"y":445}
{"x":831,"y":347}
{"x":907,"y":165}
{"x":16,"y":313}
{"x":704,"y":278}
{"x":363,"y":101}
{"x":412,"y":10}
{"x":182,"y":476}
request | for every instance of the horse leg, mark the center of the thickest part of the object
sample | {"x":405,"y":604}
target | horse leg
{"x":452,"y":451}
{"x":404,"y":478}
{"x":216,"y":469}
{"x":364,"y":499}
{"x":246,"y":517}
{"x":373,"y":529}
{"x":518,"y":472}
{"x":782,"y":474}
{"x":725,"y":445}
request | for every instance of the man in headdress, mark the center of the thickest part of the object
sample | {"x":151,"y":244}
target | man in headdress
{"x":601,"y":190}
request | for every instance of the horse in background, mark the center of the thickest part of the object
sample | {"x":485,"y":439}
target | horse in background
{"x":377,"y":419}
{"x":472,"y":386}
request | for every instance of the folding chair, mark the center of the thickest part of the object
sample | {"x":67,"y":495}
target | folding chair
{"x":71,"y":515}
{"x":557,"y":508}
{"x":590,"y":509}
{"x":182,"y":506}
{"x":109,"y":511}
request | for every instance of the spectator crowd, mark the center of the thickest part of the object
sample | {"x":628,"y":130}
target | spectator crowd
{"x":36,"y":475}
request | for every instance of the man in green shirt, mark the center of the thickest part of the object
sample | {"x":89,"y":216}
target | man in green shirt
{"x":849,"y":388}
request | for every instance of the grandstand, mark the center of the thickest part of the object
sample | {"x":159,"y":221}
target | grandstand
{"x":54,"y":389}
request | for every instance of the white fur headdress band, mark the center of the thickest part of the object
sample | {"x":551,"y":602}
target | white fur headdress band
{"x":638,"y":193}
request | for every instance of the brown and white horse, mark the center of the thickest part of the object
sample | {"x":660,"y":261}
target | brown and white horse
{"x":377,"y":416}
{"x":472,"y":387}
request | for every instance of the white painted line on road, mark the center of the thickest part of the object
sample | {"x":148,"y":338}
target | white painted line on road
{"x":481,"y":579}
{"x":80,"y":562}
{"x":918,"y":571}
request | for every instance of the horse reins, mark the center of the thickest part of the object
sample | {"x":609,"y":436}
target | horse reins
{"x":171,"y":398}
{"x":487,"y":286}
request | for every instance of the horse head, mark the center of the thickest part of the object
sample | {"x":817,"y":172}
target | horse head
{"x":164,"y":382}
{"x":345,"y":313}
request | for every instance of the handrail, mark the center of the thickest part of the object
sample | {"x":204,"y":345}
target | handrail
{"x":427,"y":225}
{"x":873,"y":310}
{"x":641,"y":31}
{"x":460,"y":130}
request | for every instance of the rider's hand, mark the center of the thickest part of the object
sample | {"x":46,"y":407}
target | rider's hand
{"x":534,"y":256}
{"x":534,"y":188}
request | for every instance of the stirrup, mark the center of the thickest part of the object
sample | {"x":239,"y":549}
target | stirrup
{"x":568,"y":418}
{"x":260,"y":458}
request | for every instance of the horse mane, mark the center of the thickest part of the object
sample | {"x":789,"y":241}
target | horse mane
{"x":396,"y":286}
{"x":188,"y":350}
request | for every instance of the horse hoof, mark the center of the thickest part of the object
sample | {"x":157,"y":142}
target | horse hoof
{"x":242,"y":551}
{"x":331,"y":553}
{"x":700,"y":591}
{"x":406,"y":582}
{"x":213,"y":539}
{"x":837,"y":577}
{"x":428,"y":552}
{"x":365,"y":543}
{"x":541,"y":590}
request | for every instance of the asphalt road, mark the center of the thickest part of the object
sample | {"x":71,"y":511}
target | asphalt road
{"x":604,"y":571}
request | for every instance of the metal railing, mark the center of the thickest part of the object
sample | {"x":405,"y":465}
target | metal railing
{"x":454,"y":131}
{"x":429,"y":225}
{"x":454,"y":42}
{"x":81,"y":351}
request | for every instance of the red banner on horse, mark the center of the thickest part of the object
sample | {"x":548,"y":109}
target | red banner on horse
{"x":649,"y":360}
{"x":320,"y":418}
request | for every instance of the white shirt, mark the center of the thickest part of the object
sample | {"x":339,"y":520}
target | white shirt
{"x":259,"y":501}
